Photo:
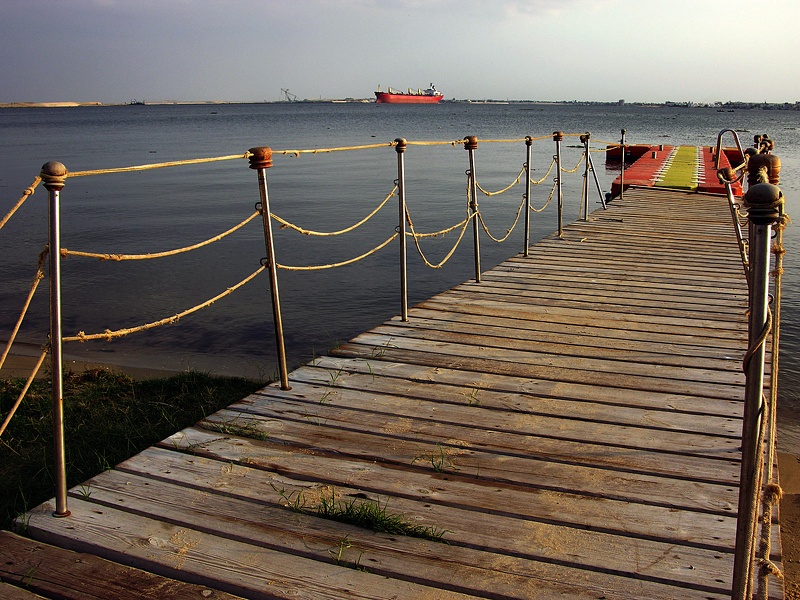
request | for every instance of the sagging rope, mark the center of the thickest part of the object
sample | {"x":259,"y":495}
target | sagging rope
{"x":120,"y":257}
{"x":25,"y":195}
{"x":549,"y":199}
{"x":25,"y":388}
{"x":110,"y":335}
{"x":508,"y":231}
{"x":344,"y":262}
{"x":36,"y":280}
{"x":546,"y":175}
{"x":563,"y":170}
{"x":505,"y":189}
{"x":416,"y":237}
{"x":285,"y":223}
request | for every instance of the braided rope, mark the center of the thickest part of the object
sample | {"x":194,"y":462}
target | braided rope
{"x":772,"y":490}
{"x":508,"y":231}
{"x":120,"y":257}
{"x":344,"y":262}
{"x":285,"y":223}
{"x":338,"y":149}
{"x":110,"y":335}
{"x":433,"y":233}
{"x":546,"y":175}
{"x":25,"y":194}
{"x":164,"y":165}
{"x":576,"y":166}
{"x":505,"y":189}
{"x":416,"y":237}
{"x":436,"y":143}
{"x":36,"y":280}
{"x":25,"y":388}
{"x":549,"y":199}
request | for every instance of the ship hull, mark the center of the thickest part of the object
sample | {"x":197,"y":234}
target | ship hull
{"x":387,"y":98}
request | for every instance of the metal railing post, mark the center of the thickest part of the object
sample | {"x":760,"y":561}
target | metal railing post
{"x":585,"y":205}
{"x":54,"y":176}
{"x":400,"y":148}
{"x":528,"y":155}
{"x":471,"y":145}
{"x":622,"y":171}
{"x":764,"y":203}
{"x":261,"y":160}
{"x":558,"y":136}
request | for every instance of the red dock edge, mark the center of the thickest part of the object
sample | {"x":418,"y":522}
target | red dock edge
{"x":650,"y":160}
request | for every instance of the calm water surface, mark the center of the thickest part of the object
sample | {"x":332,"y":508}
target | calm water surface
{"x":160,"y":210}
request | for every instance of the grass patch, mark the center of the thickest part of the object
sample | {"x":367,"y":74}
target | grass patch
{"x":366,"y":513}
{"x":108,"y":418}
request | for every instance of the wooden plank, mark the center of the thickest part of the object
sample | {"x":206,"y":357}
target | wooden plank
{"x":483,"y":338}
{"x":401,"y":447}
{"x":42,"y":570}
{"x":518,"y":365}
{"x":707,"y":528}
{"x":658,"y":400}
{"x":10,"y":592}
{"x":470,"y":567}
{"x":249,"y":570}
{"x":660,"y":413}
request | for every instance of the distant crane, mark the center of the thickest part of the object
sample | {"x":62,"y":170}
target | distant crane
{"x":288,"y":95}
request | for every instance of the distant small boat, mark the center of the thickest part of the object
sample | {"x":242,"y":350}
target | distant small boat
{"x":428,"y":96}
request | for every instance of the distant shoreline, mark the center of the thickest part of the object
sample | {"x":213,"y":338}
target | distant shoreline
{"x":717,"y":105}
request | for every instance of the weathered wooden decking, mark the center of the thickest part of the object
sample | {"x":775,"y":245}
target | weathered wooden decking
{"x":572,"y":424}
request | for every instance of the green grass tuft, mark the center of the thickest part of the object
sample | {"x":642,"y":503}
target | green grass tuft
{"x":108,"y":418}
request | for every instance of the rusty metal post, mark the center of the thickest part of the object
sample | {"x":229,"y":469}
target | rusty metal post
{"x":54,"y":176}
{"x":622,"y":171}
{"x":558,"y":136}
{"x":260,"y":161}
{"x":764,"y":203}
{"x":471,"y":145}
{"x":528,"y":156}
{"x":400,"y":148}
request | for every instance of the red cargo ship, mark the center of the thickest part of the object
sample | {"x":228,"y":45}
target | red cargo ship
{"x":429,"y":96}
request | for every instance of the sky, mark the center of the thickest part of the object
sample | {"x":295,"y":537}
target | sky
{"x":250,"y":50}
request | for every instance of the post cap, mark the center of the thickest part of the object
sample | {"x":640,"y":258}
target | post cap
{"x":54,"y":175}
{"x":558,"y":136}
{"x":763,"y":164}
{"x":260,"y":157}
{"x":400,"y":145}
{"x":764,"y":203}
{"x":471,"y":142}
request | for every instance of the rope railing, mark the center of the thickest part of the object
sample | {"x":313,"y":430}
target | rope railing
{"x":508,"y":231}
{"x":54,"y":177}
{"x":342,"y":263}
{"x":34,"y":285}
{"x":25,"y":195}
{"x":416,"y":237}
{"x":163,"y":165}
{"x":353,"y":227}
{"x":120,"y":257}
{"x":505,"y":189}
{"x":110,"y":335}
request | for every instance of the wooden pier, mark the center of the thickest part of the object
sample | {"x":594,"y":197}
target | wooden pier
{"x":571,"y":425}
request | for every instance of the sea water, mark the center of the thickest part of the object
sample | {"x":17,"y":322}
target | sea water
{"x":158,"y":210}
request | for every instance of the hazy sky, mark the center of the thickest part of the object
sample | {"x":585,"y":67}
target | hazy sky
{"x":247,"y":50}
